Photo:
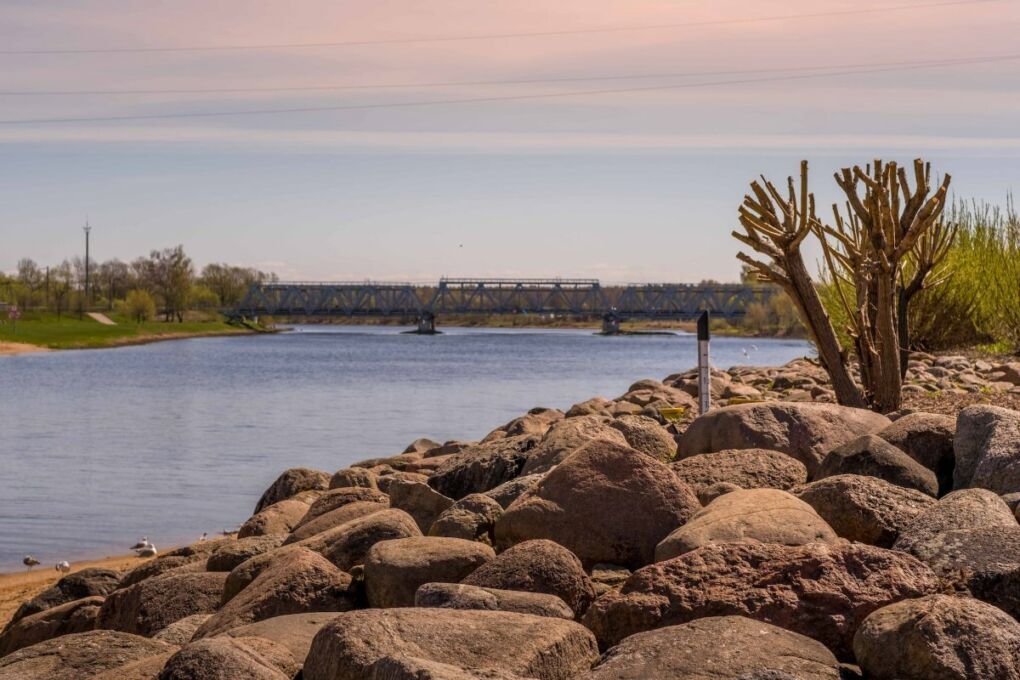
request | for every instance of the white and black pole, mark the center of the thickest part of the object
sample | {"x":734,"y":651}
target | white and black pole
{"x":704,"y":372}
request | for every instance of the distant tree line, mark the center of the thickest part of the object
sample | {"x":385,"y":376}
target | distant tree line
{"x":165,"y":283}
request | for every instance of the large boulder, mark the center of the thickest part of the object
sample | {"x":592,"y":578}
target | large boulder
{"x":228,"y":556}
{"x":395,"y":569}
{"x":80,"y":584}
{"x":243,"y":574}
{"x":864,"y":509}
{"x":153,"y":604}
{"x":181,"y":631}
{"x":291,"y":483}
{"x":637,"y":501}
{"x":228,"y":658}
{"x":806,"y":431}
{"x":873,"y":456}
{"x":483,"y":466}
{"x":334,"y":518}
{"x":461,"y":596}
{"x":819,"y":590}
{"x":79,"y":656}
{"x":538,"y":566}
{"x":296,"y":581}
{"x":568,"y":436}
{"x":293,"y":631}
{"x":746,"y":468}
{"x":984,"y":562}
{"x":644,"y":434}
{"x":964,"y":509}
{"x":76,"y":616}
{"x":718,"y":648}
{"x":161,"y":566}
{"x":536,"y":421}
{"x":347,"y":545}
{"x":355,"y":644}
{"x":338,"y":498}
{"x":987,"y":447}
{"x":278,"y":519}
{"x":508,"y":492}
{"x":939,"y":637}
{"x":748,"y":516}
{"x":353,"y":477}
{"x":928,"y":439}
{"x":472,"y":518}
{"x":420,"y":501}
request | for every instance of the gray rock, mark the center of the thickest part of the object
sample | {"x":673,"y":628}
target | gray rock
{"x":964,"y":509}
{"x":939,"y":637}
{"x":873,"y":456}
{"x":290,"y":483}
{"x":717,"y":648}
{"x":748,"y":516}
{"x":987,"y":446}
{"x":461,"y":596}
{"x":472,"y":518}
{"x":928,"y":439}
{"x":864,"y":509}
{"x":355,"y":644}
{"x":395,"y":569}
{"x":806,"y":431}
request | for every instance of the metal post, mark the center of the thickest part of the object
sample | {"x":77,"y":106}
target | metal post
{"x":704,"y":370}
{"x":87,"y":229}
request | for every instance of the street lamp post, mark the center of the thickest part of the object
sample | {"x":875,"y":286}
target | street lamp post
{"x":87,"y":229}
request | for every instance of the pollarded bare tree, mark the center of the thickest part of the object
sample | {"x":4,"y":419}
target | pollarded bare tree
{"x":890,"y":232}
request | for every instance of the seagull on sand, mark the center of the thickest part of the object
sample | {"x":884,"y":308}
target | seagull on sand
{"x":141,"y":544}
{"x":63,"y":566}
{"x":30,"y":561}
{"x":148,"y":550}
{"x":204,"y":536}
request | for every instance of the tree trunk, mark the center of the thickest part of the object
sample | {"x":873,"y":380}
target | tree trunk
{"x":903,"y":325}
{"x":888,"y":380}
{"x":829,"y":350}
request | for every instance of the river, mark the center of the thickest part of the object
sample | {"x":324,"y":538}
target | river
{"x":168,"y":440}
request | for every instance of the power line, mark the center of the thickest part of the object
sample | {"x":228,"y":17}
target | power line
{"x":492,"y":36}
{"x":517,"y":81}
{"x":479,"y":100}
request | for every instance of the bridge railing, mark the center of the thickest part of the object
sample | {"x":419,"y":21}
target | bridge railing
{"x":573,"y":297}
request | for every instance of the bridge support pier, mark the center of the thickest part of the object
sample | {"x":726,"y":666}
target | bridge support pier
{"x":610,"y":324}
{"x":427,"y":324}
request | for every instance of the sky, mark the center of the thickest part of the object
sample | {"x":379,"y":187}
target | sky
{"x":568,"y":176}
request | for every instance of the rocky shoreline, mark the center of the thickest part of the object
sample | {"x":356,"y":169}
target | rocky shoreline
{"x":777,"y":537}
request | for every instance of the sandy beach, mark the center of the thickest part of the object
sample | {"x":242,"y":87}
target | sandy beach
{"x":13,"y":348}
{"x":17,"y":587}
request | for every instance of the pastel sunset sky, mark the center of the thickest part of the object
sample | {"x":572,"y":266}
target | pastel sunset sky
{"x":624,"y":156}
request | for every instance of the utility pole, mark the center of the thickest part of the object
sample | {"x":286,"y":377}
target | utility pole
{"x":87,"y":229}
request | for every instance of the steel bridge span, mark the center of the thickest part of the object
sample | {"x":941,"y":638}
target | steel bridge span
{"x":565,"y":297}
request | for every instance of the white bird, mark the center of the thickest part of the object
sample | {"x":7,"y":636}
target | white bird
{"x":204,"y":536}
{"x":30,"y":561}
{"x":141,"y":544}
{"x":148,"y":551}
{"x":744,"y":350}
{"x":63,"y":566}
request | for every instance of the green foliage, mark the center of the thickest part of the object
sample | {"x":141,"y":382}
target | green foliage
{"x":202,"y":298}
{"x":978,"y":303}
{"x":71,"y":332}
{"x":139,"y":306}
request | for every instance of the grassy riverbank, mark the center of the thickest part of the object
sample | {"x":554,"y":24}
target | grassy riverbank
{"x":70,"y":332}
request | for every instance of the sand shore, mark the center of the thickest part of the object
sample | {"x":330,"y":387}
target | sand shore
{"x":17,"y":587}
{"x":12,"y":348}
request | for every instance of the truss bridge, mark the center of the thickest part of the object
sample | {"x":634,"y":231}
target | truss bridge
{"x":578,"y":298}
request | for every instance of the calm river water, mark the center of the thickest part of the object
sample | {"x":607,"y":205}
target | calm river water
{"x":172,"y":439}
